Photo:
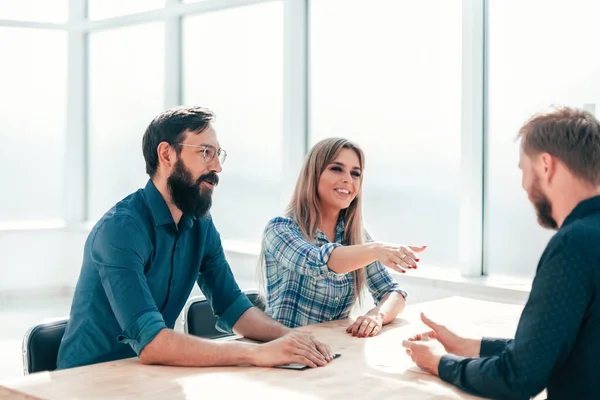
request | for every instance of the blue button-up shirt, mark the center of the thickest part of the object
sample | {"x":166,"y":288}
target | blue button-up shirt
{"x":301,"y":289}
{"x":557,"y":343}
{"x":138,"y":271}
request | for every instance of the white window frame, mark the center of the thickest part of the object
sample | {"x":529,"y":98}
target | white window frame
{"x":473,"y":124}
{"x":296,"y":98}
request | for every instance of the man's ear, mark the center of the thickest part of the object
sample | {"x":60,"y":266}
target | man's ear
{"x":548,"y":165}
{"x":166,"y":154}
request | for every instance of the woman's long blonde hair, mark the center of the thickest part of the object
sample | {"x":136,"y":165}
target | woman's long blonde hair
{"x":305,"y":208}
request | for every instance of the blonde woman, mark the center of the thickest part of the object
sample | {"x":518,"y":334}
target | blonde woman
{"x":315,"y":260}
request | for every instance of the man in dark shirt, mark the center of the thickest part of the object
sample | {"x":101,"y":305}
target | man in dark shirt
{"x":143,"y":256}
{"x":557,"y":343}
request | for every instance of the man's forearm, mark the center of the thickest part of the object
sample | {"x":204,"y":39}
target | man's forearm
{"x":390,"y":306}
{"x":174,"y":348}
{"x":255,"y":324}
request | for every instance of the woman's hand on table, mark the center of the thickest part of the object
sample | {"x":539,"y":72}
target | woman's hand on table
{"x":366,"y":325}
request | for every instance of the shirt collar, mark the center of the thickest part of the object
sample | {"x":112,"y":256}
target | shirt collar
{"x":339,"y":232}
{"x":157,"y":205}
{"x":582,"y":209}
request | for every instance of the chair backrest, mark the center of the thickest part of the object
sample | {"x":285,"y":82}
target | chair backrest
{"x":199,"y":319}
{"x":41,"y":343}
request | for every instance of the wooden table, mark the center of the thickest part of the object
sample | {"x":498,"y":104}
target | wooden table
{"x":373,"y":368}
{"x":6,"y":393}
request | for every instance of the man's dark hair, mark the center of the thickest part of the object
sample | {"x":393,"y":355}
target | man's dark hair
{"x":170,"y":126}
{"x":571,"y":135}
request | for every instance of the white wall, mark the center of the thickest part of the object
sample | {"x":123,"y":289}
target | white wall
{"x":31,"y":260}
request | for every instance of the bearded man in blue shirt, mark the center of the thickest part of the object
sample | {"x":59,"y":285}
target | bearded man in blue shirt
{"x":144,"y":255}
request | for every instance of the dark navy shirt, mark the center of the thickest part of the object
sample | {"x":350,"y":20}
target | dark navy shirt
{"x":138,"y":271}
{"x":557,"y":343}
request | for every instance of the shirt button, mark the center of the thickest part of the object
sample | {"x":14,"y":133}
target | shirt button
{"x":337,"y":299}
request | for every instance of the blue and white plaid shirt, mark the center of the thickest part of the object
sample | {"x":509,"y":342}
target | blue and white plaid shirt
{"x":301,"y":289}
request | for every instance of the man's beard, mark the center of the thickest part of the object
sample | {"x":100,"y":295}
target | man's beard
{"x":187,"y":194}
{"x":543,"y":206}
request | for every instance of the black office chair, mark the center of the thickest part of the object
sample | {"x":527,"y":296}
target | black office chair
{"x":199,"y":319}
{"x":41,"y":343}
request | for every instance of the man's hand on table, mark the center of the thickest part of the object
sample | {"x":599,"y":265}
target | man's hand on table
{"x":426,"y":349}
{"x":452,"y":342}
{"x":426,"y":354}
{"x":296,"y":347}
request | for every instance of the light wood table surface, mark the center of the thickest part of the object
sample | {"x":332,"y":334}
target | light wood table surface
{"x":6,"y":393}
{"x":372,"y":368}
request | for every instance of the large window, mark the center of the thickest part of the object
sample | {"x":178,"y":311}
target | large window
{"x":416,"y":84}
{"x":389,"y":77}
{"x":233,"y":64}
{"x":33,"y":79}
{"x":530,"y":69}
{"x":99,"y":9}
{"x":126,"y":75}
{"x":34,"y":10}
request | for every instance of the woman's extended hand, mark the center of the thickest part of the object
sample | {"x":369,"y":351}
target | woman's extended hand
{"x":397,"y":257}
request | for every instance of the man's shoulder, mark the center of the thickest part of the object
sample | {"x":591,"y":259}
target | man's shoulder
{"x":583,"y":234}
{"x":129,"y":215}
{"x":577,"y":245}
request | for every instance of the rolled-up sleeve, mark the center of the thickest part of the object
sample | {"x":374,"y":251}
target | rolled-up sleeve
{"x":218,"y":284}
{"x":284,"y":241}
{"x":379,"y":280}
{"x":119,"y":251}
{"x":231,"y":315}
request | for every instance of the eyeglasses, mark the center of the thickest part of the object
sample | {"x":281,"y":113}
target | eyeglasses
{"x":209,"y":152}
